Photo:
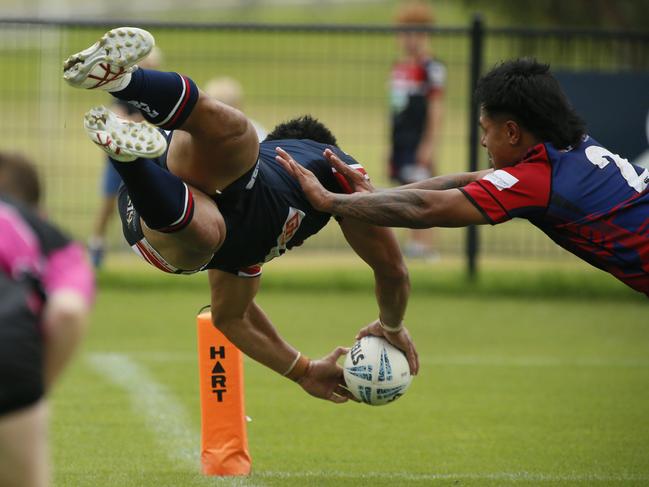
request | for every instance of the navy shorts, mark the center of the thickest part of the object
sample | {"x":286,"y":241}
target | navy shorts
{"x":21,"y":349}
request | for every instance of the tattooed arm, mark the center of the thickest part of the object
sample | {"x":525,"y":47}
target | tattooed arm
{"x":449,"y":181}
{"x":412,"y":208}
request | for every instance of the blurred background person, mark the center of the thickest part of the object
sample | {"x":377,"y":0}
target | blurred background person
{"x":417,"y":83}
{"x":229,"y":91}
{"x":110,"y":180}
{"x":46,"y":289}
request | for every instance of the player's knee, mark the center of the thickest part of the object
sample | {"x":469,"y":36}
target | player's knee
{"x":217,"y":321}
{"x":219,"y":120}
{"x":207,"y":235}
{"x":207,"y":227}
{"x":222,"y":320}
{"x":201,"y":241}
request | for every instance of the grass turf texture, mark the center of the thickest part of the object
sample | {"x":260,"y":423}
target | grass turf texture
{"x":517,"y":386}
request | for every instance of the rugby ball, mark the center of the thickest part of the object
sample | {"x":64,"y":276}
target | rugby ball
{"x":376,"y":372}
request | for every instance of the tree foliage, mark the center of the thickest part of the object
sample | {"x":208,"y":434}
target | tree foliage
{"x":610,"y":14}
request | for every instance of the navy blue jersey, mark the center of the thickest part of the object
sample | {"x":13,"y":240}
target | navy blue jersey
{"x":265,"y":211}
{"x":590,"y":201}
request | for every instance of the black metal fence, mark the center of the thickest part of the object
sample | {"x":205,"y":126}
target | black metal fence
{"x":336,"y":73}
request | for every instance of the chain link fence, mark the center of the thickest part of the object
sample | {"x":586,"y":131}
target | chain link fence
{"x":338,"y":74}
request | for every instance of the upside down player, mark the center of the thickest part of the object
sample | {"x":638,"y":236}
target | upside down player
{"x":204,"y":194}
{"x":587,"y":199}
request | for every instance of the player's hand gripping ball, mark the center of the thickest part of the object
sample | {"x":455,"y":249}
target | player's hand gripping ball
{"x":376,"y":372}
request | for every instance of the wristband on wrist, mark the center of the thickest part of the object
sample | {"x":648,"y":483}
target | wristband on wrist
{"x":390,"y":328}
{"x":298,"y":368}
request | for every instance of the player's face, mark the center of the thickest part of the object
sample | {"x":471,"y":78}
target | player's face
{"x":500,"y":140}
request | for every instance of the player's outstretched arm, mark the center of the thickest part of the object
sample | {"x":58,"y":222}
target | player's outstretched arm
{"x":411,"y":208}
{"x":449,"y":181}
{"x":360,"y":183}
{"x":379,"y":248}
{"x":246,"y":325}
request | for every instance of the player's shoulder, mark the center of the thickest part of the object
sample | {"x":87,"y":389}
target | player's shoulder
{"x":435,"y":70}
{"x":288,"y":142}
{"x":545,"y":157}
{"x":537,"y":154}
{"x":300,"y":149}
{"x":19,"y":211}
{"x":49,"y":236}
{"x":579,"y":151}
{"x":534,"y":168}
{"x":432,"y":64}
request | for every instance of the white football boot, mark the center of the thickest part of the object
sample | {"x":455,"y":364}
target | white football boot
{"x":109,"y":62}
{"x":123,"y":140}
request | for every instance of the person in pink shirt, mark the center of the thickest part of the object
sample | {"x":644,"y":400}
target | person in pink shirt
{"x":46,"y":291}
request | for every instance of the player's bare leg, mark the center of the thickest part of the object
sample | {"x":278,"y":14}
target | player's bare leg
{"x":213,"y":144}
{"x":132,"y":143}
{"x":217,"y":143}
{"x":24,"y":454}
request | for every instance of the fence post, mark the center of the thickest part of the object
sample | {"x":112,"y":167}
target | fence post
{"x":475,"y":68}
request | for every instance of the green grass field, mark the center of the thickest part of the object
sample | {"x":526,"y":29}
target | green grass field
{"x":533,"y":375}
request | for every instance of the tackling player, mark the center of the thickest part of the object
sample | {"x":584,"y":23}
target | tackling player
{"x":587,"y":199}
{"x":204,"y":194}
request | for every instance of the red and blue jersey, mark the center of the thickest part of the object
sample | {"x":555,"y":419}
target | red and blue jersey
{"x":412,"y":84}
{"x":590,"y":201}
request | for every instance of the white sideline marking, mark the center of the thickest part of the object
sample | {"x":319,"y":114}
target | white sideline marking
{"x":167,"y":419}
{"x":512,"y":476}
{"x":163,"y":415}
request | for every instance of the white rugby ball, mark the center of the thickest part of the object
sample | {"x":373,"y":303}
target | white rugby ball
{"x":376,"y":372}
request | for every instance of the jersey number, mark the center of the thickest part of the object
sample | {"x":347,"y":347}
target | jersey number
{"x":602,"y":157}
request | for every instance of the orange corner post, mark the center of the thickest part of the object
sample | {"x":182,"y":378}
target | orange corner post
{"x":224,"y":440}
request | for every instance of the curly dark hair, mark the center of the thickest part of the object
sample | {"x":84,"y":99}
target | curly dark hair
{"x":526,"y":90}
{"x":304,"y":127}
